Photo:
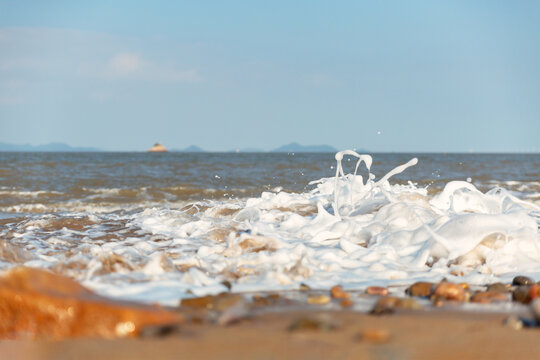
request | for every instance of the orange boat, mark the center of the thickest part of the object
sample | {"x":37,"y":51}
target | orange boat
{"x":157,"y":148}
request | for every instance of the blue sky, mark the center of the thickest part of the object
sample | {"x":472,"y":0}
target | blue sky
{"x":415,"y":76}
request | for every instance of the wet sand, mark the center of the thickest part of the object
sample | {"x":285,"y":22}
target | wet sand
{"x":349,"y":335}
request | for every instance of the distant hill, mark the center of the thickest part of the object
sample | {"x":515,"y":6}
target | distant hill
{"x":295,"y":147}
{"x":192,"y":148}
{"x":52,"y":147}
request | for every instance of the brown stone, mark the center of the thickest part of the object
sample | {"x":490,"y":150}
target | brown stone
{"x":449,"y":291}
{"x":534,"y":292}
{"x":408,"y":304}
{"x":266,"y":300}
{"x":499,"y":287}
{"x":304,"y":287}
{"x":464,"y":285}
{"x":316,"y":323}
{"x":219,"y":302}
{"x":38,"y":304}
{"x":385,"y":305}
{"x":346,"y":303}
{"x":377,"y":290}
{"x":388,"y":304}
{"x":374,"y":336}
{"x":521,"y":294}
{"x":318,"y":299}
{"x":487,"y":297}
{"x":422,"y":289}
{"x":522,"y":280}
{"x":338,"y":293}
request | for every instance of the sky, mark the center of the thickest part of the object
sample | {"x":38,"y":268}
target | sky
{"x":386,"y":76}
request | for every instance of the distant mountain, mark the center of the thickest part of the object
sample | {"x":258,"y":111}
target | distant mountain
{"x":52,"y":147}
{"x":295,"y":147}
{"x":192,"y":148}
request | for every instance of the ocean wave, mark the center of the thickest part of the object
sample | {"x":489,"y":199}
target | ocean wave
{"x":349,"y":229}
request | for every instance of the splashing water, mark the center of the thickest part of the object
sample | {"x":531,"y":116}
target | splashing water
{"x":347,"y":230}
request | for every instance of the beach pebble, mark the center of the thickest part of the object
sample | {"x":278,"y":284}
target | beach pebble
{"x":521,"y":294}
{"x":457,"y":273}
{"x":534,"y":292}
{"x":449,"y":291}
{"x":377,"y":290}
{"x":346,"y":303}
{"x":338,"y":293}
{"x":422,"y":289}
{"x":522,"y":280}
{"x":488,"y":297}
{"x":317,"y":323}
{"x":499,"y":287}
{"x":374,"y":336}
{"x":38,"y":304}
{"x":220,"y":302}
{"x":388,"y":304}
{"x":318,"y":299}
{"x":513,"y":322}
{"x":266,"y":300}
{"x":304,"y":287}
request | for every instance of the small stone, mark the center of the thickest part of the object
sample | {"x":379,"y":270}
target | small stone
{"x":227,"y":284}
{"x":338,"y":293}
{"x":522,"y":280}
{"x":449,"y":291}
{"x":346,"y":303}
{"x":304,"y":287}
{"x":318,"y":300}
{"x":267,"y":300}
{"x":203,"y":302}
{"x":521,"y":294}
{"x":374,"y":336}
{"x":488,"y":297}
{"x":464,"y":285}
{"x":312,"y":324}
{"x":219,"y":302}
{"x":388,"y":304}
{"x":385,"y":305}
{"x":377,"y":290}
{"x":422,"y":289}
{"x":534,"y":292}
{"x":513,"y":322}
{"x":408,"y":304}
{"x":159,"y":331}
{"x":37,"y":304}
{"x":457,"y":273}
{"x":498,"y":287}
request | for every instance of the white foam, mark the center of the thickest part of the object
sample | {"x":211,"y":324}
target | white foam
{"x":363,"y":232}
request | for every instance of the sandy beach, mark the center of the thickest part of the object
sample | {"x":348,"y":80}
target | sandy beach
{"x":406,"y":335}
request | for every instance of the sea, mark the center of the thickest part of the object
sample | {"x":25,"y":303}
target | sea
{"x":161,"y":227}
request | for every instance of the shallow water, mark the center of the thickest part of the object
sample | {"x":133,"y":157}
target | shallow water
{"x":160,"y":227}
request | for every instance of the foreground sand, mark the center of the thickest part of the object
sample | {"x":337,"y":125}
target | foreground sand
{"x":349,"y":335}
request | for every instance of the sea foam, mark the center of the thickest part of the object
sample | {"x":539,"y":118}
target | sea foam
{"x":348,"y":229}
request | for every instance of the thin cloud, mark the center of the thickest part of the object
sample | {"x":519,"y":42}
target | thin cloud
{"x":133,"y":66}
{"x":124,"y":64}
